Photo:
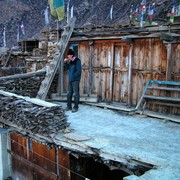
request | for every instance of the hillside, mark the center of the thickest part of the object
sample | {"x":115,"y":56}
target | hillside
{"x":88,"y":13}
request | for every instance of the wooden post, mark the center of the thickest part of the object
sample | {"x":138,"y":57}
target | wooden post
{"x":169,"y":62}
{"x":130,"y":74}
{"x":91,"y":67}
{"x":60,"y":79}
{"x":57,"y":163}
{"x":112,"y":72}
{"x":5,"y":164}
{"x":25,"y":47}
{"x":57,"y":31}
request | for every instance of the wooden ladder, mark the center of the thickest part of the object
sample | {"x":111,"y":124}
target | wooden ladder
{"x":154,"y":85}
{"x":57,"y":58}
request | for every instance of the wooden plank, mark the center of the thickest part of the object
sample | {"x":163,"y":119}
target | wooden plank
{"x":162,"y":98}
{"x":167,"y":104}
{"x":31,"y":169}
{"x":18,"y":145}
{"x":64,"y":164}
{"x":32,"y":100}
{"x":176,"y":57}
{"x":169,"y":62}
{"x":83,"y":97}
{"x":40,"y":155}
{"x":164,"y":82}
{"x":161,"y":116}
{"x":25,"y":75}
{"x":143,"y":94}
{"x":164,"y":88}
{"x":6,"y":63}
{"x":106,"y":106}
{"x":91,"y":68}
{"x":130,"y":74}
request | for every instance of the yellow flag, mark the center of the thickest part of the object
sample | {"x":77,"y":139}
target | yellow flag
{"x":57,"y":8}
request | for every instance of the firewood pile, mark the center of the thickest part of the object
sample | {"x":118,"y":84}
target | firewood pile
{"x":32,"y":118}
{"x":51,"y":49}
{"x":35,"y":63}
{"x":53,"y":35}
{"x":25,"y":86}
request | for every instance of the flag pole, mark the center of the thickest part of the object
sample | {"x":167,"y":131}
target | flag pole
{"x":4,"y":37}
{"x":18,"y":34}
{"x":68,"y":12}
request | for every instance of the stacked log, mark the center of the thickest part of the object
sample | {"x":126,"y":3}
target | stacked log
{"x":27,"y":86}
{"x":40,"y":51}
{"x":53,"y":35}
{"x":44,"y":35}
{"x":35,"y":63}
{"x":32,"y":118}
{"x":51,"y":49}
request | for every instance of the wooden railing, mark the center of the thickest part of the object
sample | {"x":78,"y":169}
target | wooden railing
{"x":170,"y":86}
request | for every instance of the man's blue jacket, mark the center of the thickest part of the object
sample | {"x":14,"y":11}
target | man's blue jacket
{"x":74,"y":68}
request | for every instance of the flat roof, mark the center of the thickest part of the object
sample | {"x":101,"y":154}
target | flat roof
{"x":116,"y":136}
{"x":123,"y":138}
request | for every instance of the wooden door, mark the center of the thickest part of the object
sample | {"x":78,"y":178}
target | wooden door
{"x":120,"y":72}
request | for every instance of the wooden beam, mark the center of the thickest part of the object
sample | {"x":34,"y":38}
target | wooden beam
{"x":169,"y":62}
{"x":28,"y":99}
{"x":162,"y":98}
{"x":47,"y":174}
{"x":91,"y":67}
{"x":25,"y":75}
{"x":164,"y":88}
{"x":83,"y":97}
{"x":130,"y":74}
{"x":166,"y":37}
{"x":112,"y":71}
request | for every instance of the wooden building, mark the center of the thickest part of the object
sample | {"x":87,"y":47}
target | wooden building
{"x":117,"y":64}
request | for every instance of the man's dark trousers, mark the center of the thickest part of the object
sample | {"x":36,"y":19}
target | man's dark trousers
{"x":73,"y":87}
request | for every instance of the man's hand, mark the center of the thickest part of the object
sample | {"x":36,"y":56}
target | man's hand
{"x":66,"y":60}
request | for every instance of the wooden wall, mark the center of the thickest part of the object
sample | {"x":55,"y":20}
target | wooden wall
{"x":85,"y":60}
{"x":149,"y":62}
{"x":106,"y":67}
{"x":33,"y":161}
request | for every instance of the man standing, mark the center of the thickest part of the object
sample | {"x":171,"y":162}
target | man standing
{"x":73,"y":64}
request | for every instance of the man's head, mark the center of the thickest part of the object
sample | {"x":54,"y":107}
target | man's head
{"x":70,"y":53}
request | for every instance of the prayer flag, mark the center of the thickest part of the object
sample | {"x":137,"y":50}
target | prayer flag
{"x":57,"y":8}
{"x":22,"y":28}
{"x":143,"y":12}
{"x":172,"y":14}
{"x":151,"y":13}
{"x":137,"y":13}
{"x":131,"y":13}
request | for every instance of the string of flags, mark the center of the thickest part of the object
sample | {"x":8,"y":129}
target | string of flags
{"x":141,"y":13}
